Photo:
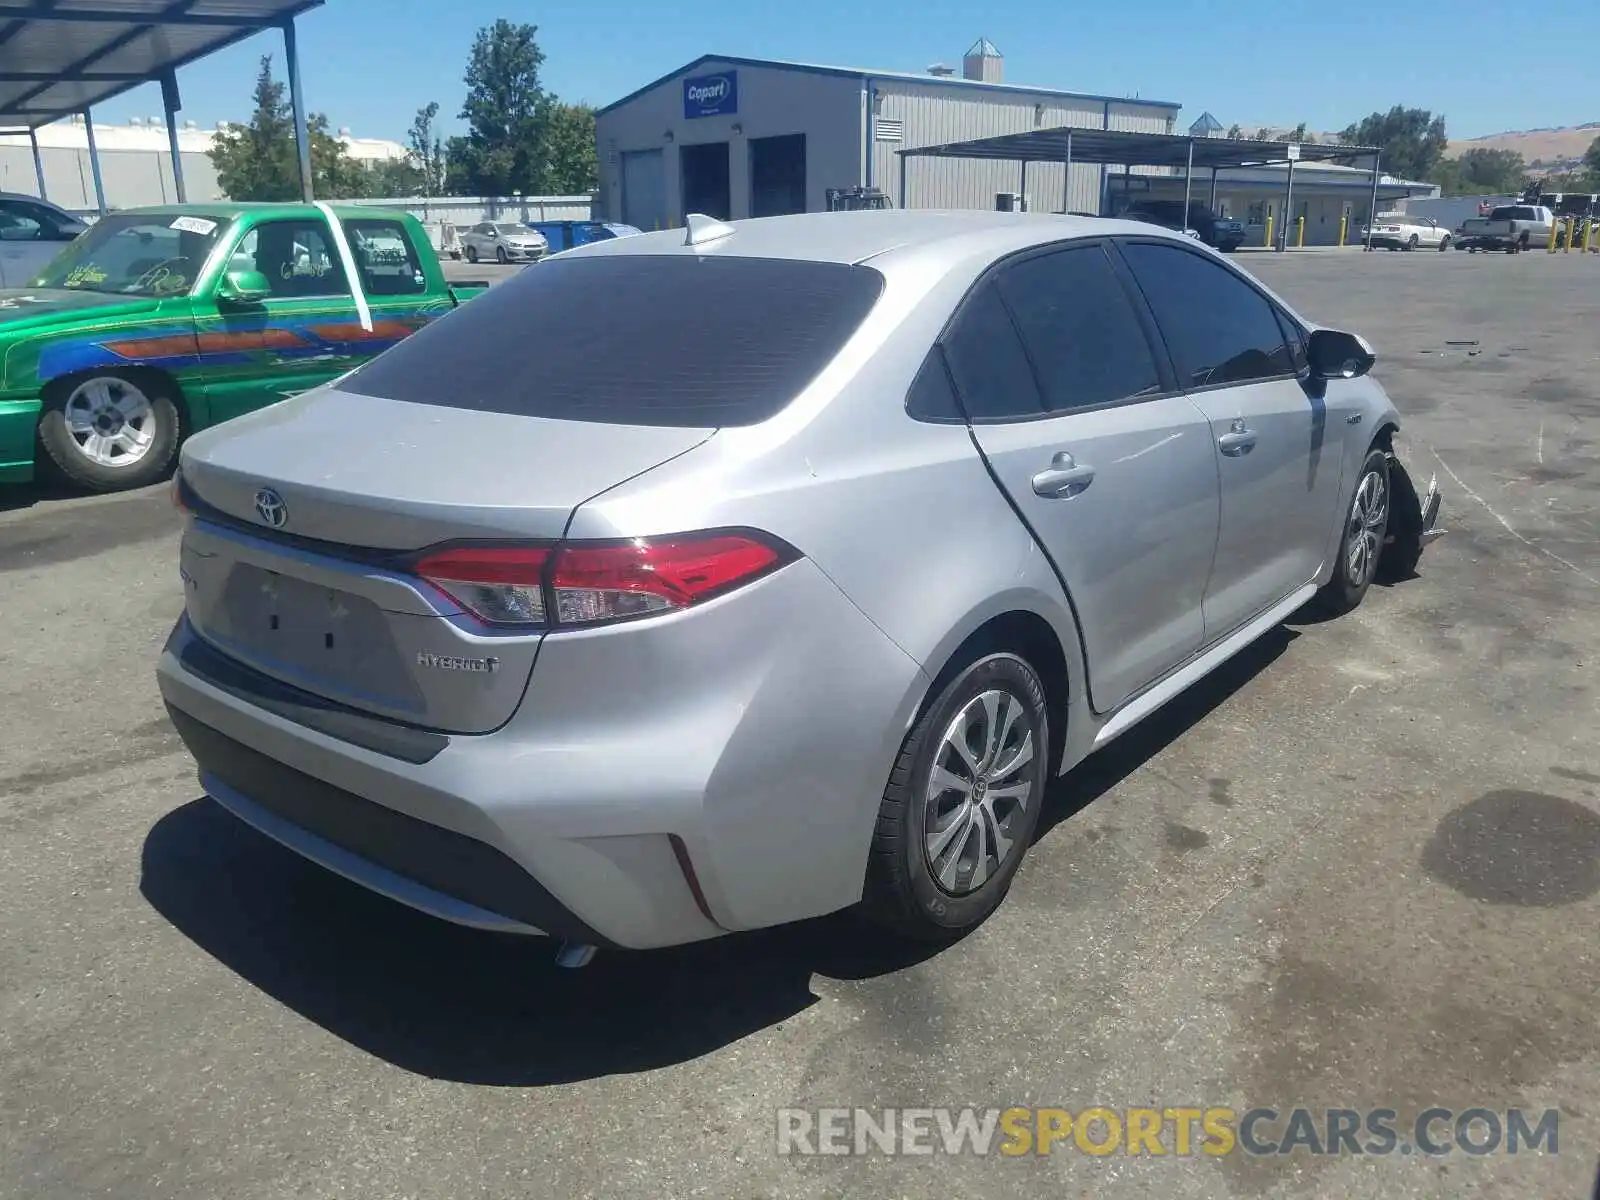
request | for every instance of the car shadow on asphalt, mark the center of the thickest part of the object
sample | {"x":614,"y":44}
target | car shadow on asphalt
{"x":458,"y":1004}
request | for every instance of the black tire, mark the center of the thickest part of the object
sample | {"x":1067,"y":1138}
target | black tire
{"x":1348,"y":588}
{"x":901,"y":892}
{"x":68,"y":456}
{"x":501,"y":256}
{"x":472,"y":254}
{"x":1445,"y":244}
{"x":1411,"y":244}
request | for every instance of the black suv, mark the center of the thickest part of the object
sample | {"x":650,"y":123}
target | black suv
{"x":1221,"y":232}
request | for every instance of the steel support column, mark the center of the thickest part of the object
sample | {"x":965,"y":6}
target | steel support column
{"x":1372,"y":213}
{"x":1288,"y":209}
{"x":94,"y":163}
{"x":1066,"y":178}
{"x":1022,"y":199}
{"x":38,"y":162}
{"x":172,"y":103}
{"x":302,"y":139}
{"x":904,"y":201}
{"x":1188,"y":184}
{"x":1214,"y":191}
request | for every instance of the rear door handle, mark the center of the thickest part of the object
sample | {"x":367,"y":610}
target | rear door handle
{"x":1238,"y":441}
{"x":1063,"y":479}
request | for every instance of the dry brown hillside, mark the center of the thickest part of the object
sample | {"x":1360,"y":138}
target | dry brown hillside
{"x":1546,"y":146}
{"x":1535,"y":145}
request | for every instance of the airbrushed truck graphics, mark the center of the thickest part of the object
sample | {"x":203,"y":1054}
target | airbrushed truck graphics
{"x":162,"y":321}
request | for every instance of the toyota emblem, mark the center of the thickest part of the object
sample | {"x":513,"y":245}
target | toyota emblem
{"x":271,"y":508}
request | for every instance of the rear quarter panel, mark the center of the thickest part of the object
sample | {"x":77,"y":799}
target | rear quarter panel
{"x":901,"y":515}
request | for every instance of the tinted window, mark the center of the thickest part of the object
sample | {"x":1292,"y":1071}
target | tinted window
{"x":385,"y":258}
{"x":932,"y":398}
{"x":297,"y":257}
{"x":1079,"y":328}
{"x":1295,"y":337}
{"x":1218,"y":328}
{"x":987,"y":362}
{"x":634,"y":340}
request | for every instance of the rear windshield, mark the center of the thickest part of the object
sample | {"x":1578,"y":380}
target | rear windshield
{"x":634,"y":340}
{"x":1513,"y":213}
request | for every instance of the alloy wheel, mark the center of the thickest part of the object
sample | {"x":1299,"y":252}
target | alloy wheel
{"x":1369,"y":518}
{"x":978,"y":791}
{"x":111,"y":421}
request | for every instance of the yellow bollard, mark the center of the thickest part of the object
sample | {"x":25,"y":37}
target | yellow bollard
{"x":1572,"y":230}
{"x":1344,"y":223}
{"x":1554,"y":225}
{"x":1268,"y":242}
{"x":1299,"y":233}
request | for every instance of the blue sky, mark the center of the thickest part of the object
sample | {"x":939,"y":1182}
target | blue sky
{"x":369,"y":64}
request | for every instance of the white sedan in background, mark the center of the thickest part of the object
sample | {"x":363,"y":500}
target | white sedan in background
{"x":503,"y":241}
{"x":1403,"y":231}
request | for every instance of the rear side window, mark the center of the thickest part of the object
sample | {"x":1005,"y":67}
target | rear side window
{"x":1079,"y":328}
{"x":385,"y":259}
{"x":987,"y":362}
{"x":1219,"y":329}
{"x":666,"y":340}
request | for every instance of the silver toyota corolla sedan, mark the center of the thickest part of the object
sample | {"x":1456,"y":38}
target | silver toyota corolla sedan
{"x":797,"y":560}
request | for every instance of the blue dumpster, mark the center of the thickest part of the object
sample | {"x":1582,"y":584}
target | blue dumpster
{"x":564,"y":235}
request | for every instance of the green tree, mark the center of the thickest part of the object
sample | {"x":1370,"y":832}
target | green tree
{"x":1412,"y":140}
{"x":570,"y":166}
{"x":1492,"y":171}
{"x":1591,"y":159}
{"x":427,"y":151}
{"x":1300,"y":135}
{"x":259,"y":161}
{"x":390,"y":177}
{"x":506,"y":110}
{"x":1234,"y":132}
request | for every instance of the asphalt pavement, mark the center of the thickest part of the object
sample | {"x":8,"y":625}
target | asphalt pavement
{"x":1356,"y":869}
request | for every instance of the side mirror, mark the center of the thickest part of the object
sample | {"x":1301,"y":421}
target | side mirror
{"x":1334,"y":354}
{"x":243,"y":287}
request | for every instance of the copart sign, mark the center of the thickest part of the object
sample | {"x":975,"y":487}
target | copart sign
{"x":711,"y":95}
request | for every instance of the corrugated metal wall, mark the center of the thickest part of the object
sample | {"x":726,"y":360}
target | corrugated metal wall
{"x":132,"y":177}
{"x":934,"y":114}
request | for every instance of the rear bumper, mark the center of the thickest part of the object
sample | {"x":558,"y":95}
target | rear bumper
{"x":750,"y":738}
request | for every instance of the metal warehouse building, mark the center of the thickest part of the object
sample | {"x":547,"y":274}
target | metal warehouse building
{"x":743,"y":137}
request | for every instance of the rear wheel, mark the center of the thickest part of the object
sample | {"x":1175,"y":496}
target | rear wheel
{"x":962,"y":802}
{"x":472,"y":254}
{"x":1444,"y":244}
{"x":1411,"y":243}
{"x":110,"y":432}
{"x":1366,"y":526}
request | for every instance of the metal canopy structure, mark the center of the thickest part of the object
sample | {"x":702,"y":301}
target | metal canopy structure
{"x":1126,"y":149}
{"x":58,"y":58}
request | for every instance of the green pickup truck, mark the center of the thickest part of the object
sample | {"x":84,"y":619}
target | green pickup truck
{"x":158,"y":322}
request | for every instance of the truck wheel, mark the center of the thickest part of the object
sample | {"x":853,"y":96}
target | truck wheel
{"x":110,"y":432}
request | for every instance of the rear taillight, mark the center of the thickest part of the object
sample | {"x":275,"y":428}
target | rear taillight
{"x":586,"y":584}
{"x":175,"y":491}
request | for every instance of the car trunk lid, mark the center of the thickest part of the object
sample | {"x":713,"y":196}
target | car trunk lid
{"x":308,"y":517}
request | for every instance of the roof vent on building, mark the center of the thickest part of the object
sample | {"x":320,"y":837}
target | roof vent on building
{"x":983,"y":62}
{"x":703,"y":229}
{"x":942,"y":71}
{"x":344,"y":131}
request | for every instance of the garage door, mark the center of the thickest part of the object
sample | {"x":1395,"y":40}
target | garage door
{"x":644,"y":189}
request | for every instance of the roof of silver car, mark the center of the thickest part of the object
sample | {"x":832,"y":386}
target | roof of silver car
{"x":855,"y":237}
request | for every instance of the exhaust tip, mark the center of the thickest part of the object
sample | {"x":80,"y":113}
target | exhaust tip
{"x":574,"y":955}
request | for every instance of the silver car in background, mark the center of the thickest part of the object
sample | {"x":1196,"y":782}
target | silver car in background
{"x":502,"y":241}
{"x":32,"y":233}
{"x":815,"y":547}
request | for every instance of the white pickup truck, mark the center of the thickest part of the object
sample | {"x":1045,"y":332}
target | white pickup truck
{"x":1511,"y":227}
